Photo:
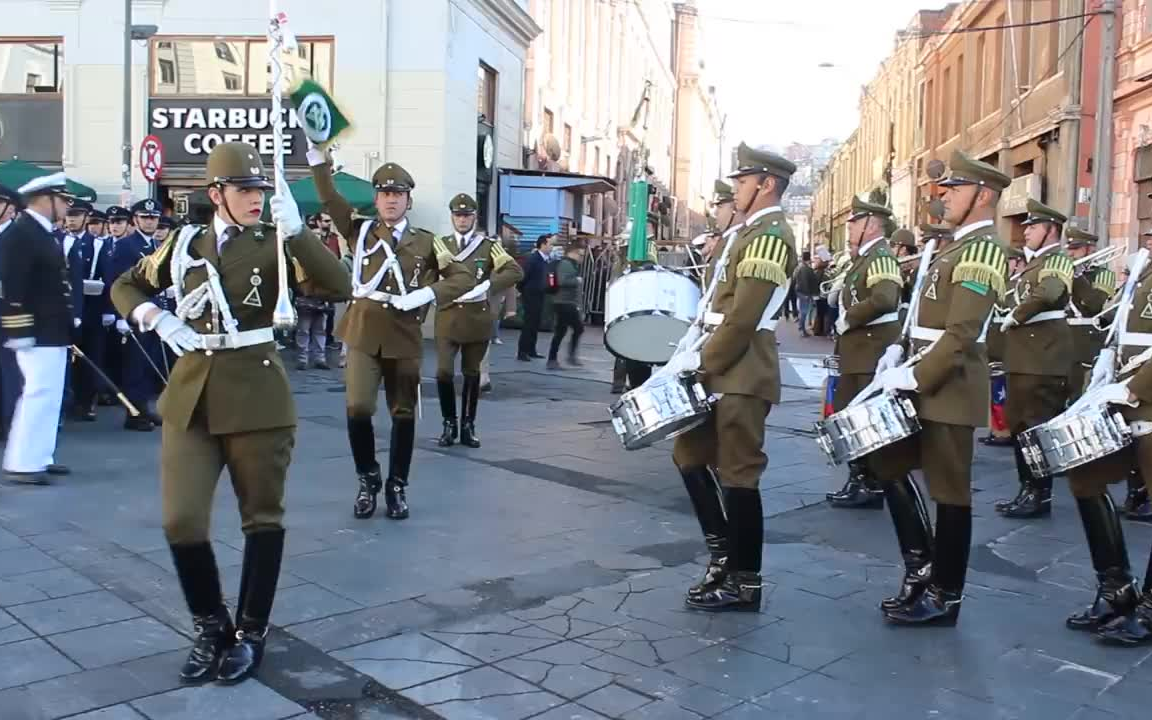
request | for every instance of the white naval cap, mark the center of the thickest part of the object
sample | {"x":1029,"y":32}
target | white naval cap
{"x":54,"y":183}
{"x":699,"y":240}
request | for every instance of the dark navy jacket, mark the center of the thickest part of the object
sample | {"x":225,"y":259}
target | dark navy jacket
{"x":535,"y":274}
{"x":96,"y":264}
{"x":129,"y":250}
{"x":75,"y":264}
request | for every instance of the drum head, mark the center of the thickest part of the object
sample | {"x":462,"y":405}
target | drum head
{"x":648,"y":338}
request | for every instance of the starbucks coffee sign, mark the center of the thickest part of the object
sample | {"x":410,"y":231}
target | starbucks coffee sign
{"x":190,"y":127}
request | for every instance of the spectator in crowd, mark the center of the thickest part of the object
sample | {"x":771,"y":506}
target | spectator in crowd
{"x":532,"y":289}
{"x":806,"y":285}
{"x":568,"y":305}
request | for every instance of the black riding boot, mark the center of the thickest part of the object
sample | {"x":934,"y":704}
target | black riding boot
{"x":1035,"y":502}
{"x":446,"y":389}
{"x":362,"y":438}
{"x":619,"y":376}
{"x":861,"y":490}
{"x":914,"y":533}
{"x":200,"y":580}
{"x":263,"y":550}
{"x":1023,"y":475}
{"x":708,"y":503}
{"x":1135,"y":627}
{"x":1136,"y":505}
{"x":399,"y":462}
{"x":939,"y":603}
{"x":1115,"y":588}
{"x":741,"y":587}
{"x":469,"y":399}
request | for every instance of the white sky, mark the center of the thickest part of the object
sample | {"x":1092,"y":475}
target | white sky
{"x":762,"y":56}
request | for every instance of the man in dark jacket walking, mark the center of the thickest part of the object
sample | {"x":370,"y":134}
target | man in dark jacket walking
{"x":806,"y":284}
{"x":532,"y":288}
{"x":567,"y":305}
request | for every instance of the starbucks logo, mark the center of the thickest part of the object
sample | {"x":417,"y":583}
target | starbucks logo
{"x":316,"y":118}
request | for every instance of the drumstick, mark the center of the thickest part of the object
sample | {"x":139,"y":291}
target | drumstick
{"x":874,"y":387}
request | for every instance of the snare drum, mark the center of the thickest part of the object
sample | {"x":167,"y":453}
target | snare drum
{"x":662,"y":408}
{"x":646,"y":312}
{"x":866,"y":427}
{"x":1074,"y":438}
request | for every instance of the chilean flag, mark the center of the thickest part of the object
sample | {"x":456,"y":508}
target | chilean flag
{"x":829,"y":393}
{"x":999,"y":395}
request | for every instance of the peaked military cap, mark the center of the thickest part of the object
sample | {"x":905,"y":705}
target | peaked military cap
{"x":753,"y":162}
{"x":964,"y":170}
{"x":463,"y":203}
{"x":904,"y":237}
{"x":239,"y":164}
{"x":8,"y":195}
{"x":1038,"y":212}
{"x":97,"y":216}
{"x":165,"y":222}
{"x":115,"y":212}
{"x":1077,"y":238}
{"x":722,"y":193}
{"x":932,"y":230}
{"x":392,"y":178}
{"x":79,"y":207}
{"x":54,"y":184}
{"x":147,"y":207}
{"x":863,"y":208}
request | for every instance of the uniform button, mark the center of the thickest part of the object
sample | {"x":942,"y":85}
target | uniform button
{"x":267,"y":363}
{"x":208,"y":353}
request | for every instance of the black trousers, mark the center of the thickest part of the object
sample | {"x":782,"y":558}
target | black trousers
{"x":567,"y":316}
{"x":533,"y":309}
{"x":93,"y":341}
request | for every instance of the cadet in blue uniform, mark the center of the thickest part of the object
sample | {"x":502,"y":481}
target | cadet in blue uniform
{"x":71,"y":238}
{"x":94,"y":267}
{"x":10,"y":378}
{"x":141,"y":355}
{"x":97,"y":223}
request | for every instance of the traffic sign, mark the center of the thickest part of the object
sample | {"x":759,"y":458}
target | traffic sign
{"x":151,"y":158}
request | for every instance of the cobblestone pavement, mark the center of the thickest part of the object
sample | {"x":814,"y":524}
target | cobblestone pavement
{"x":540,"y":576}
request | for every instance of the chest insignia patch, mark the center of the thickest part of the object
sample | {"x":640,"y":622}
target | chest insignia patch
{"x":252,"y":299}
{"x":1146,"y":313}
{"x":416,"y":274}
{"x":933,"y":280}
{"x":723,"y":274}
{"x":479,"y":269}
{"x":855,"y":296}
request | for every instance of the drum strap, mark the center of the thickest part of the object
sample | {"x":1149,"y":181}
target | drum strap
{"x":885,"y":318}
{"x":934,"y":334}
{"x":768,"y":319}
{"x":1136,"y":339}
{"x":1081,"y":321}
{"x":1046,"y":316}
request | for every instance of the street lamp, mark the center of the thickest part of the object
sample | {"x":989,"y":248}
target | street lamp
{"x":131,"y":32}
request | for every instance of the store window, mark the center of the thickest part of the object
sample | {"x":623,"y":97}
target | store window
{"x":31,"y":68}
{"x":486,"y":94}
{"x":31,"y":100}
{"x":235,"y":66}
{"x":1143,"y":178}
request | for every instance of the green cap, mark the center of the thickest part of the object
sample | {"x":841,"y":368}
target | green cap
{"x":722,"y":193}
{"x":392,"y":178}
{"x":753,"y":162}
{"x":1038,"y":212}
{"x":932,"y":230}
{"x":463,"y":203}
{"x":1077,"y":238}
{"x":904,"y":237}
{"x":863,"y":208}
{"x":964,"y":170}
{"x":236,"y":163}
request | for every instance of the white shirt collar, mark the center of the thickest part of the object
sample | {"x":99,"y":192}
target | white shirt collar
{"x":735,"y":228}
{"x":1031,"y":255}
{"x":44,"y":222}
{"x":869,"y":245}
{"x":972,"y":227}
{"x":220,"y":225}
{"x":761,"y":213}
{"x":398,"y":229}
{"x":4,"y":225}
{"x":463,"y":240}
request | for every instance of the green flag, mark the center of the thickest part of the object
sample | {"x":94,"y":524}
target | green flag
{"x":319,"y":116}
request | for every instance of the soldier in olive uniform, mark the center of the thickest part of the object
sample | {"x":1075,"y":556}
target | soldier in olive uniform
{"x":397,"y":269}
{"x":869,"y":322}
{"x":1119,"y":613}
{"x":228,"y":402}
{"x":740,"y":360}
{"x":465,"y":326}
{"x":1037,"y":345}
{"x":950,"y":383}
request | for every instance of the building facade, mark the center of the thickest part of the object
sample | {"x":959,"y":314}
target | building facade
{"x":436,"y":86}
{"x":1131,"y":161}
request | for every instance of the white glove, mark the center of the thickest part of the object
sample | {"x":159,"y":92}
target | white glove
{"x":1008,"y":321}
{"x":892,"y":357}
{"x":898,"y":378}
{"x":683,"y":363}
{"x":414,"y":299}
{"x":108,"y":320}
{"x":285,"y":213}
{"x":170,"y":292}
{"x":76,"y":322}
{"x":476,"y":292}
{"x":20,"y":344}
{"x":1115,"y":394}
{"x":841,"y":323}
{"x":690,"y":339}
{"x":176,"y":333}
{"x":315,"y":155}
{"x":122,"y":327}
{"x":1103,"y":370}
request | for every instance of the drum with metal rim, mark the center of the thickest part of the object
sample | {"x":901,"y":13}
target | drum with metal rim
{"x":647,"y":311}
{"x":662,"y":408}
{"x":866,"y":427}
{"x":1077,"y":436}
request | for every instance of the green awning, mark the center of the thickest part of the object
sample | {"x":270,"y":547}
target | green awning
{"x":358,"y":192}
{"x":14,"y":173}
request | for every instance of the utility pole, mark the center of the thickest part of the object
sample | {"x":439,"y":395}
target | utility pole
{"x":126,"y":140}
{"x":1102,"y":164}
{"x":1070,"y":129}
